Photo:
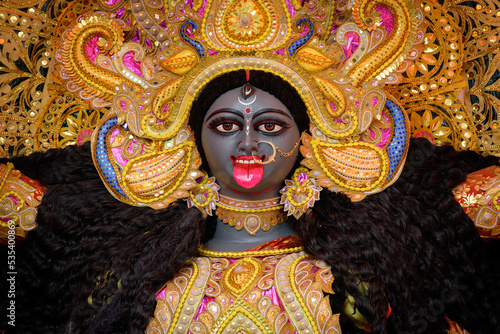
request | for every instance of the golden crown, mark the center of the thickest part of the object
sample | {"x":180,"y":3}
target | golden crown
{"x":125,"y":74}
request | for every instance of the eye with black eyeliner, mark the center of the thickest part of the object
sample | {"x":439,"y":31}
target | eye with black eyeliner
{"x":224,"y":125}
{"x":272,"y":126}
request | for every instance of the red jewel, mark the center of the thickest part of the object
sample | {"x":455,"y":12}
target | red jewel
{"x":248,"y":110}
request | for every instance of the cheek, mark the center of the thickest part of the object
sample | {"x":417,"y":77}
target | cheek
{"x":217,"y":151}
{"x":207,"y":141}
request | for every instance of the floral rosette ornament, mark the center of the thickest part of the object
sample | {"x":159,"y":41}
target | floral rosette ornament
{"x":300,"y":193}
{"x":205,"y":195}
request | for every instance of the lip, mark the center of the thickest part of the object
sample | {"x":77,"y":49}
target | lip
{"x":247,"y":159}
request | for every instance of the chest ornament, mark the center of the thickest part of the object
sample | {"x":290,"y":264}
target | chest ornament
{"x":270,"y":293}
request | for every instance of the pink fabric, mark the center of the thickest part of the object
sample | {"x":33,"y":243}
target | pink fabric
{"x":117,"y":154}
{"x":291,"y":9}
{"x":14,"y":199}
{"x":386,"y":133}
{"x":201,"y":11}
{"x":280,"y":52}
{"x":203,"y":306}
{"x":271,"y":293}
{"x":137,"y":37}
{"x":92,"y":49}
{"x":387,"y":18}
{"x":161,"y":294}
{"x":334,"y":27}
{"x":134,"y":66}
{"x":334,"y":107}
{"x":352,"y":45}
{"x":119,"y":12}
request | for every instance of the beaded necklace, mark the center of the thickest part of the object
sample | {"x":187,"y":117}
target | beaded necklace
{"x":253,"y":215}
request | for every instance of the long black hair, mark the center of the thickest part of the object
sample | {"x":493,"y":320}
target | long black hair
{"x":93,"y":264}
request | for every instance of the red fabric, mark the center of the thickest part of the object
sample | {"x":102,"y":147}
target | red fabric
{"x":281,"y":243}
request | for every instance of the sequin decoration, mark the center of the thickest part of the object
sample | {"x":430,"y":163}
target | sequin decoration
{"x":356,"y":166}
{"x":154,"y":176}
{"x":197,"y":45}
{"x":246,"y":21}
{"x":101,"y":154}
{"x":399,"y":144}
{"x":303,"y":40}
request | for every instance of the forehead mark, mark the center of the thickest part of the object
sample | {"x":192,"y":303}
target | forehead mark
{"x":247,"y":111}
{"x":247,"y":103}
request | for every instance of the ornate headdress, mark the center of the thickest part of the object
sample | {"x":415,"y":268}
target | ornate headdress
{"x":125,"y":74}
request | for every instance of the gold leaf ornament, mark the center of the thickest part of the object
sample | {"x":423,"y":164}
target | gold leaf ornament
{"x":356,"y":169}
{"x":181,"y":63}
{"x":166,"y":94}
{"x":386,"y":57}
{"x":153,"y":177}
{"x":312,"y":60}
{"x":89,"y":76}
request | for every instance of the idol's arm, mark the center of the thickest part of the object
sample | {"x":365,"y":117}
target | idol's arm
{"x":24,"y":180}
{"x":479,"y":195}
{"x":19,"y":199}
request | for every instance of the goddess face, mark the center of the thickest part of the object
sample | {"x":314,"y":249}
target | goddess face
{"x":236,"y":135}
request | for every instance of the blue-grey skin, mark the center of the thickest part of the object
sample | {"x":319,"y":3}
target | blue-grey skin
{"x":228,"y":130}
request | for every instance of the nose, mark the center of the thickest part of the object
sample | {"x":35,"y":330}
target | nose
{"x":249,"y":143}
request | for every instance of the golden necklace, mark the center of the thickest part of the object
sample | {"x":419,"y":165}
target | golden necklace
{"x":253,"y":215}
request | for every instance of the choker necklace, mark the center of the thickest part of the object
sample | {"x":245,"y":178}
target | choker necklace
{"x":251,"y":215}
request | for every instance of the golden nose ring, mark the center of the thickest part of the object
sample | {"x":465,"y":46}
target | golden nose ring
{"x":272,"y":158}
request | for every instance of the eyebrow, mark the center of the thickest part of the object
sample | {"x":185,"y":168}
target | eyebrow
{"x":240,"y":114}
{"x":268,"y":110}
{"x":229,"y":110}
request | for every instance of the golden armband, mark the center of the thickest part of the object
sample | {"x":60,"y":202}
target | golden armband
{"x":19,"y":199}
{"x":479,"y":195}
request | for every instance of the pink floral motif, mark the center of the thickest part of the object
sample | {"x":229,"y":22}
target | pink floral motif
{"x":92,"y":49}
{"x":83,"y":136}
{"x":387,"y":19}
{"x":129,"y":61}
{"x":352,"y":44}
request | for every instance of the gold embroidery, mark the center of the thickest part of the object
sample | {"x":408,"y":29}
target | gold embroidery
{"x":259,"y":293}
{"x":239,"y":277}
{"x":479,"y":196}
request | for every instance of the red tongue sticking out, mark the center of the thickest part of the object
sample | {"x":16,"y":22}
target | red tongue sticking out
{"x":248,"y":175}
